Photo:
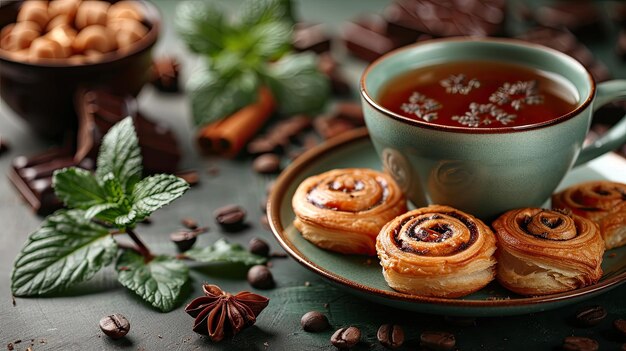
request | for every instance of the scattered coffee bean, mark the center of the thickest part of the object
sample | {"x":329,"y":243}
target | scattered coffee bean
{"x":230,"y":218}
{"x":192,"y":177}
{"x":461,"y":321}
{"x":10,"y":346}
{"x":435,"y":340}
{"x":260,"y":277}
{"x":390,"y":336}
{"x":578,"y":343}
{"x":314,"y":322}
{"x":259,"y":247}
{"x":115,"y":326}
{"x":184,"y":239}
{"x":189,"y":223}
{"x":590,"y":316}
{"x":620,"y":326}
{"x":346,"y":337}
{"x":263,"y":145}
{"x":266,"y":164}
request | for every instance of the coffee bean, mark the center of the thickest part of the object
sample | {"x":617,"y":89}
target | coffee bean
{"x":259,"y":247}
{"x":189,"y":223}
{"x":314,"y":322}
{"x":620,"y":326}
{"x":390,"y":336}
{"x":260,"y":277}
{"x":230,"y":217}
{"x":263,"y":145}
{"x":115,"y":326}
{"x":436,"y":340}
{"x":346,"y":337}
{"x":184,"y":240}
{"x":578,"y":343}
{"x":590,"y":316}
{"x":266,"y":164}
{"x":192,"y":177}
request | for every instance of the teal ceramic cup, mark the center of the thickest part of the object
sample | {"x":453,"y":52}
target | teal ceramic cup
{"x":489,"y":171}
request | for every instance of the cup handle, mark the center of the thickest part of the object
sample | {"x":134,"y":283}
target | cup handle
{"x":606,"y":92}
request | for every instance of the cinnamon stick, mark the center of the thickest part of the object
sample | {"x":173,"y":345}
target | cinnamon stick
{"x":228,"y":136}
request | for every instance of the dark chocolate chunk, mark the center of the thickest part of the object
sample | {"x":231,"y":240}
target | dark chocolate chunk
{"x":583,"y":18}
{"x":330,"y":68}
{"x":165,"y":73}
{"x":313,"y":37}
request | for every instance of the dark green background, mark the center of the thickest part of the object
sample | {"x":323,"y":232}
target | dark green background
{"x":70,"y":321}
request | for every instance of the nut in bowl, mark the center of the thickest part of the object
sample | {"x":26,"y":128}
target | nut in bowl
{"x":50,"y":50}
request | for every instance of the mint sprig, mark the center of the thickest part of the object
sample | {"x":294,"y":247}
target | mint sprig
{"x":73,"y":244}
{"x":239,"y":57}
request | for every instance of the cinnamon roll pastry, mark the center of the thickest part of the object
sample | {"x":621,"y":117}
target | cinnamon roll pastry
{"x":437,"y":251}
{"x":603,"y":202}
{"x":343,"y":210}
{"x":544,"y":252}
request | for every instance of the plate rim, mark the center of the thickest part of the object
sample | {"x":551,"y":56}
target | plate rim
{"x":358,"y":135}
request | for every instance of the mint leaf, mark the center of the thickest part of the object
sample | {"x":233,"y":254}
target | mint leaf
{"x":271,"y":40}
{"x":224,"y":252}
{"x":65,"y":250}
{"x":202,"y":26}
{"x":154,"y":192}
{"x":263,"y":11}
{"x":158,"y":282}
{"x":77,"y":188}
{"x":215,"y":96}
{"x":296,"y":82}
{"x":120,"y":155}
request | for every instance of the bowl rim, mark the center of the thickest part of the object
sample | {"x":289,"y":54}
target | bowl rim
{"x":152,"y":15}
{"x":359,"y":135}
{"x":386,"y":113}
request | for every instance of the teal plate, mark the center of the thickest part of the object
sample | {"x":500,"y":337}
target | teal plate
{"x":362,"y":276}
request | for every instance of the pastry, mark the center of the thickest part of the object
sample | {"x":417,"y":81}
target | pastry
{"x":437,"y":251}
{"x":343,"y":210}
{"x":545,"y":252}
{"x":603,"y":202}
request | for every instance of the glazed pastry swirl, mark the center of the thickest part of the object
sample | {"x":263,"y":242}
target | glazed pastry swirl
{"x":437,"y":251}
{"x":603,"y":202}
{"x":343,"y":210}
{"x":543,"y":252}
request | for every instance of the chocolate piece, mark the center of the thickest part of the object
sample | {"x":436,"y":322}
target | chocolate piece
{"x":583,"y":18}
{"x":100,"y":110}
{"x":32,"y":177}
{"x":368,"y":38}
{"x":564,"y":41}
{"x":165,"y":73}
{"x":445,"y":18}
{"x":313,"y":37}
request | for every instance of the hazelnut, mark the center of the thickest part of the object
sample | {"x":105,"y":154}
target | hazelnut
{"x":125,"y":9}
{"x":34,"y":11}
{"x":44,"y":48}
{"x":20,"y":36}
{"x":60,"y":20}
{"x":90,"y":13}
{"x":63,"y":7}
{"x":96,"y":38}
{"x":64,"y":35}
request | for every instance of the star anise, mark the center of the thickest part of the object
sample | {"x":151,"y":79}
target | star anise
{"x":220,"y":313}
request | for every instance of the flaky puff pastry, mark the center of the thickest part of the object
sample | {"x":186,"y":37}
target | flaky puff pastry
{"x":603,"y":202}
{"x":437,"y":251}
{"x":344,"y":209}
{"x":545,"y":252}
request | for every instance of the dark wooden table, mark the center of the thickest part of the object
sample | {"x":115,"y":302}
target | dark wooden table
{"x":69,"y":321}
